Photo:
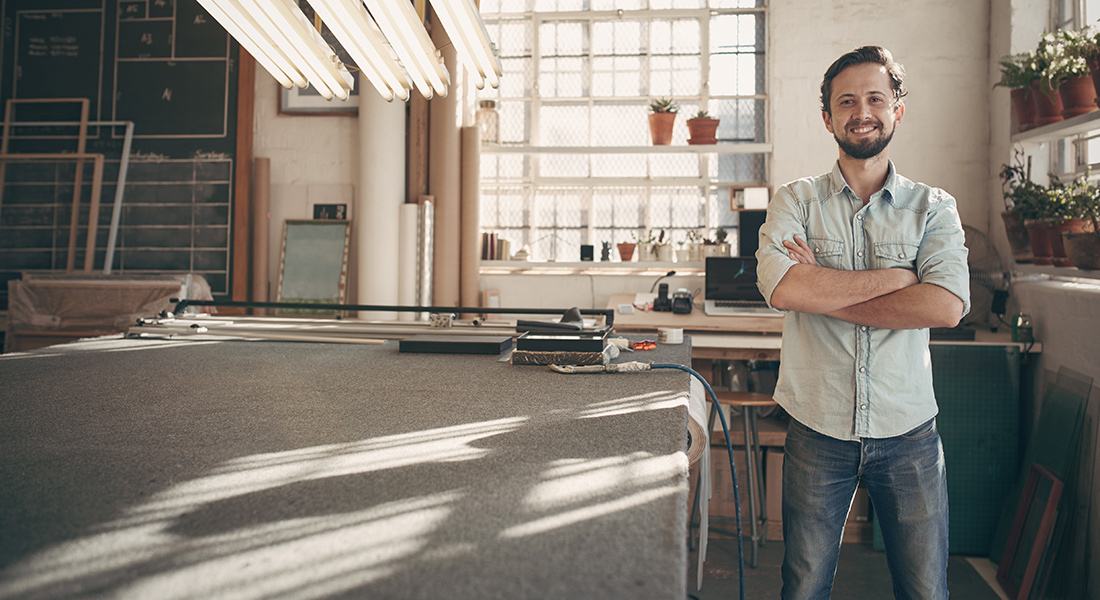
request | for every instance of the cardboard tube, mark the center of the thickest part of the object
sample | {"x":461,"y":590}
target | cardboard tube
{"x":261,"y":230}
{"x":469,"y":269}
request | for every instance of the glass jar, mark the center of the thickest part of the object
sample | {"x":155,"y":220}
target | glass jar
{"x":488,"y":121}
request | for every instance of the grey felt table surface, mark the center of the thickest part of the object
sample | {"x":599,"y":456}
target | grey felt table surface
{"x":259,"y":469}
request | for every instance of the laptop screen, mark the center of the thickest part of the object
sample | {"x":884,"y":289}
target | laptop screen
{"x":731,"y":278}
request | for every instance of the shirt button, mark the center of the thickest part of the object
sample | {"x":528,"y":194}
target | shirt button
{"x":902,"y":255}
{"x":862,"y":407}
{"x":816,"y":250}
{"x":859,"y":253}
{"x":863,"y":327}
{"x":859,"y":217}
{"x":862,"y":370}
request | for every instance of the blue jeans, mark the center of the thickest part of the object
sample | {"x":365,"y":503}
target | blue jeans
{"x":907,"y":485}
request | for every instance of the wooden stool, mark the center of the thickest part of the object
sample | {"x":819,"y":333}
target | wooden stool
{"x":748,"y":402}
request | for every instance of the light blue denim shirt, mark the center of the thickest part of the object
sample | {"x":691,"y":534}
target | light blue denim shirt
{"x":853,"y":381}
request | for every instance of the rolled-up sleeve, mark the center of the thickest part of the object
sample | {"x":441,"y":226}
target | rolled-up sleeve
{"x":785,"y":220}
{"x":941,"y":258}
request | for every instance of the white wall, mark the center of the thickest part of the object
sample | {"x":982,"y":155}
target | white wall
{"x":944,"y":136}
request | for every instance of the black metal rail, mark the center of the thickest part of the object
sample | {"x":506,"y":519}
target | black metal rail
{"x":607,"y":313}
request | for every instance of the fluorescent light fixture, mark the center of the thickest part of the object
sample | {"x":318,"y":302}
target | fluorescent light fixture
{"x":406,"y":34}
{"x":245,"y":31}
{"x":351,"y":24}
{"x":282,"y":40}
{"x":462,"y":22}
{"x":285,"y":23}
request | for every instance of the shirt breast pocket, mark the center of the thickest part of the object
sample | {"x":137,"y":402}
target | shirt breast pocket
{"x":828,"y":252}
{"x":890,"y":255}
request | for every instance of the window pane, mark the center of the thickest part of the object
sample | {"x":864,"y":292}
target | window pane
{"x":587,"y":81}
{"x":563,"y":125}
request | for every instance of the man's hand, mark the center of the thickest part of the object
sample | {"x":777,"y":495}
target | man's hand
{"x":800,"y":251}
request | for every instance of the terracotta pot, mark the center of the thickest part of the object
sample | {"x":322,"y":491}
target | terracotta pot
{"x":660,"y":128}
{"x":626,"y":251}
{"x":1017,"y":237}
{"x":1054,"y":231}
{"x":1078,"y":96}
{"x":701,"y":131}
{"x":1040,"y":241}
{"x":1047,"y":110}
{"x":1083,"y":249}
{"x":1024,"y":106}
{"x":1094,"y":71}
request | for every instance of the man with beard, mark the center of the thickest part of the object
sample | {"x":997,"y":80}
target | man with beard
{"x":863,"y":261}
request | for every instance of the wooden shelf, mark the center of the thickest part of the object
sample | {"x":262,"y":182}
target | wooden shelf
{"x":1055,"y":131}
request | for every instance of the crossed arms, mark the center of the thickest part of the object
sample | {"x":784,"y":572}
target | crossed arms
{"x":883,"y":298}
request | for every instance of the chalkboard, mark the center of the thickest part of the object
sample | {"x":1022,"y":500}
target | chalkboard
{"x":314,"y":264}
{"x":166,"y":66}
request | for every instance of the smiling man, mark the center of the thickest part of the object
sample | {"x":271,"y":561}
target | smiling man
{"x":863,"y":261}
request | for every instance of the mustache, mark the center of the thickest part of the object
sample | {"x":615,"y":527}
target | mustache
{"x":854,"y":123}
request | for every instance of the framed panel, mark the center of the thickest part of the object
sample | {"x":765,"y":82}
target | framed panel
{"x":1030,"y":534}
{"x":314,"y":264}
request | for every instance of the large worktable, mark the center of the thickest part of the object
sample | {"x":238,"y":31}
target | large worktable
{"x":214,"y":468}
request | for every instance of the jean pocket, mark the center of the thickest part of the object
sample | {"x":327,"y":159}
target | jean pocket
{"x":920,"y":432}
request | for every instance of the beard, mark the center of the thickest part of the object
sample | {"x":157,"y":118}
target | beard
{"x":867,"y":148}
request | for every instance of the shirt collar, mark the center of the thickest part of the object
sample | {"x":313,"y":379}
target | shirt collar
{"x":890,"y":186}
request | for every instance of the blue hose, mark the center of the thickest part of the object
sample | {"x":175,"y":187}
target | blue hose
{"x":733,"y":469}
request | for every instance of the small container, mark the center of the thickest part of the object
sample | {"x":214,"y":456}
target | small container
{"x":488,"y":121}
{"x":1022,"y":331}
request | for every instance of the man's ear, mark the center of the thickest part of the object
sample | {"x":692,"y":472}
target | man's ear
{"x":825,"y":116}
{"x":898,"y":112}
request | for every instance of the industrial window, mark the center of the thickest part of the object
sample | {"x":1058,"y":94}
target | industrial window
{"x":574,"y":163}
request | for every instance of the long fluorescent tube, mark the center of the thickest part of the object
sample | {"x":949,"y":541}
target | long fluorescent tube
{"x":405,"y":32}
{"x":464,"y":26}
{"x":256,"y":43}
{"x":459,"y":40}
{"x":351,"y":24}
{"x":278,"y":20}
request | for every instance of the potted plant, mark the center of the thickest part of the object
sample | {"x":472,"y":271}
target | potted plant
{"x":1044,"y":89}
{"x":647,"y":246}
{"x":683,"y":254}
{"x":1067,"y":71}
{"x":1083,"y":247}
{"x":702,"y":128}
{"x":1089,"y":49}
{"x":626,"y":251}
{"x":1017,"y":73}
{"x":1014,"y":182}
{"x":662,"y":118}
{"x":663,"y":248}
{"x":1069,"y":202}
{"x":695,"y":245}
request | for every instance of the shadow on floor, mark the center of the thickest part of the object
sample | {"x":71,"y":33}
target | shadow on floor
{"x":862,"y":574}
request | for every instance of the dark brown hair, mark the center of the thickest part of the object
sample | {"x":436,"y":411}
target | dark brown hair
{"x":866,"y":54}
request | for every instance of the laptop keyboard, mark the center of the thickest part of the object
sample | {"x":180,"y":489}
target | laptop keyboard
{"x":739,"y":304}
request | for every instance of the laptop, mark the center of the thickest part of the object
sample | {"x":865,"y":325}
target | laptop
{"x":731,"y":288}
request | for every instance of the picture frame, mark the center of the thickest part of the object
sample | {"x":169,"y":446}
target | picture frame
{"x":1030,"y":534}
{"x":305,"y":102}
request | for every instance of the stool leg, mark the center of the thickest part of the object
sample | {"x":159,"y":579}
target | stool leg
{"x":750,"y":462}
{"x":762,"y":493}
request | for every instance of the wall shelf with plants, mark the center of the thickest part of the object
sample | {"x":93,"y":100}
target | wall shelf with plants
{"x":1054,"y":91}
